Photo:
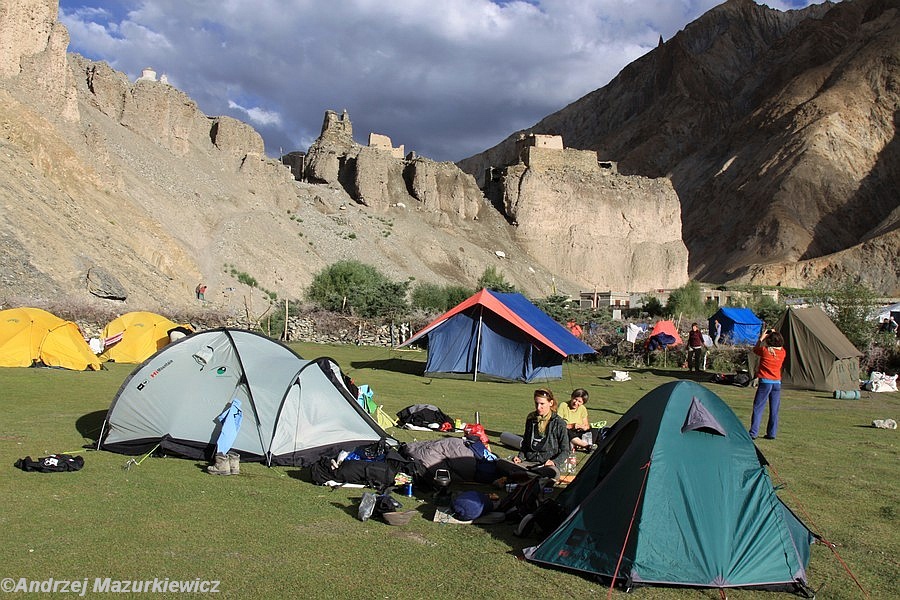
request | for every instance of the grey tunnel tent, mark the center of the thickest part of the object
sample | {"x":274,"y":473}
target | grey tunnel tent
{"x":295,"y":410}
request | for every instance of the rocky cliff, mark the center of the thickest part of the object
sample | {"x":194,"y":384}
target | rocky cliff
{"x":778,"y":131}
{"x":589,"y":223}
{"x":124,"y":194}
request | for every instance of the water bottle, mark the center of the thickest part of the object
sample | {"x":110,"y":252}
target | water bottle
{"x":571,"y":464}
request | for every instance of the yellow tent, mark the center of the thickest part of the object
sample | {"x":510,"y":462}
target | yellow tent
{"x":136,"y":336}
{"x":31,"y":336}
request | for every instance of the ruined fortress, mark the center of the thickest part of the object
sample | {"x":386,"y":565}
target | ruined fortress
{"x":574,"y":214}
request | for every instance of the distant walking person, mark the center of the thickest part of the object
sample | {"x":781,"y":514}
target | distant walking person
{"x":770,"y":349}
{"x":716,"y":333}
{"x":201,"y":291}
{"x":696,"y":349}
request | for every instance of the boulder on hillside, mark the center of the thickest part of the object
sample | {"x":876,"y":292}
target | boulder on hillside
{"x":103,"y":284}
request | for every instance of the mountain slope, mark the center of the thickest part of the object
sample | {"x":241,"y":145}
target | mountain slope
{"x":777,"y":130}
{"x":112,"y":190}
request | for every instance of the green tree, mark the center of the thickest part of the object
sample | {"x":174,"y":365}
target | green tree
{"x":652,"y":306}
{"x":352,"y":287}
{"x":494,"y":281}
{"x":766,"y":308}
{"x":438,"y":298}
{"x":850,"y":304}
{"x":686,"y":301}
{"x":559,"y":307}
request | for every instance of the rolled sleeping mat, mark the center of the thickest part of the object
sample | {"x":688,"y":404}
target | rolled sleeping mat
{"x":846,"y":394}
{"x":511,"y":439}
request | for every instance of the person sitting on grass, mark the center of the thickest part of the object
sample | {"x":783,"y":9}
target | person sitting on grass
{"x":578,"y":427}
{"x":545,"y":445}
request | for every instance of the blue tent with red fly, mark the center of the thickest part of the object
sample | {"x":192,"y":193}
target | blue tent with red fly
{"x":500,"y":337}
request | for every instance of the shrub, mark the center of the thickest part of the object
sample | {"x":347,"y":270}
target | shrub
{"x":686,"y":301}
{"x":882,"y":355}
{"x":652,"y":306}
{"x":766,"y":308}
{"x":437,"y":298}
{"x":352,"y":287}
{"x":493,"y":280}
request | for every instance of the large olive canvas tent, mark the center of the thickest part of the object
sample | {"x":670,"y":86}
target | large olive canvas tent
{"x":135,"y":336}
{"x":677,"y":494}
{"x":819,"y":357}
{"x":294,"y":410}
{"x":35,"y":337}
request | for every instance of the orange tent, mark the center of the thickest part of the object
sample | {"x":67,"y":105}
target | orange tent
{"x":669,"y":328}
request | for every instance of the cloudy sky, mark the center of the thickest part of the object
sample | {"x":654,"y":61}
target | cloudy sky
{"x":446,"y":78}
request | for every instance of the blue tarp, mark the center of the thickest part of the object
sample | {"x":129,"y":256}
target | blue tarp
{"x":739,"y":325}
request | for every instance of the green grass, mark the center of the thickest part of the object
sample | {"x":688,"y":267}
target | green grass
{"x":269,"y":533}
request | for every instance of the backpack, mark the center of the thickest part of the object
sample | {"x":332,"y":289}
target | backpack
{"x":742,"y":379}
{"x":525,"y":498}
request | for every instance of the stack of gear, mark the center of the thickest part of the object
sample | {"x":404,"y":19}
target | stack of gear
{"x":464,"y":459}
{"x":374,"y":465}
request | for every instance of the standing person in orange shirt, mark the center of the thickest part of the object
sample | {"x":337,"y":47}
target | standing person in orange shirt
{"x":770,"y":349}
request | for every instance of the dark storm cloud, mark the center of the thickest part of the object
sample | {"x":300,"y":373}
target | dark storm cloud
{"x":446,"y":79}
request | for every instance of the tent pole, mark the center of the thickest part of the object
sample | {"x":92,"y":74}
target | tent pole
{"x":478,"y":343}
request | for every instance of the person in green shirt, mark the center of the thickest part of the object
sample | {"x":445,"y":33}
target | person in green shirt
{"x":577,"y":425}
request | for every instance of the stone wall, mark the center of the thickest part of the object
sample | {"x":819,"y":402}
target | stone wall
{"x":308,"y":329}
{"x":544,"y":158}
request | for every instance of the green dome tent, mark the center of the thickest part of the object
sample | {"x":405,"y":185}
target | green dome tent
{"x":677,"y":494}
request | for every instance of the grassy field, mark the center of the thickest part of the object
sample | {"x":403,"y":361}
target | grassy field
{"x":269,"y":533}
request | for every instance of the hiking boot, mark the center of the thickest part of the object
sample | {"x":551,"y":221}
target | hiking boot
{"x":234,"y":463}
{"x":220,"y":466}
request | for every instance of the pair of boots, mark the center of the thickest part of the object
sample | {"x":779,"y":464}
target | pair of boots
{"x":225,"y":464}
